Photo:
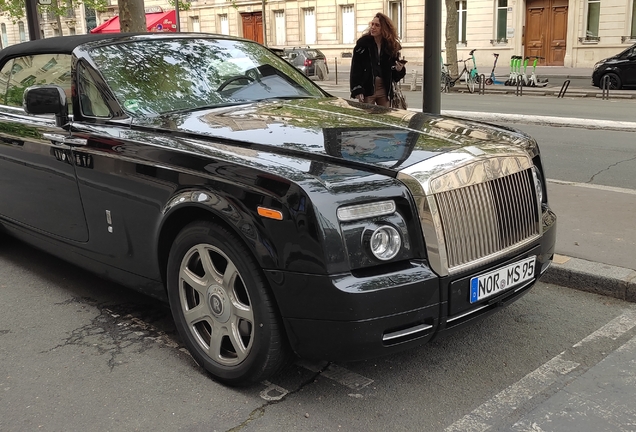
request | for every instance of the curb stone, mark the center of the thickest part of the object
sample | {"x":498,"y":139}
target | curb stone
{"x":594,"y":277}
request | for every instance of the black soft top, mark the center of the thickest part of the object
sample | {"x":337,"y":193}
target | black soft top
{"x":54,"y":45}
{"x":66,"y":44}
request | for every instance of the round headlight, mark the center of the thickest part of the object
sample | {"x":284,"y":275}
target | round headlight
{"x":385,"y":243}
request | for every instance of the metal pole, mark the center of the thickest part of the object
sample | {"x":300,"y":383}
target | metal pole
{"x":431,"y":95}
{"x":264,"y":20}
{"x":176,"y":15}
{"x":32,"y":19}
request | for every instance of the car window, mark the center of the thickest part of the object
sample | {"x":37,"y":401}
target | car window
{"x":26,"y":71}
{"x":313,"y":54}
{"x":150,"y":77}
{"x":91,"y":100}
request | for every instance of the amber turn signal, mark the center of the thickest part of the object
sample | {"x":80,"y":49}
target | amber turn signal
{"x":269,"y":213}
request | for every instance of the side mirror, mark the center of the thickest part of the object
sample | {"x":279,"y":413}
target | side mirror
{"x":46,"y":99}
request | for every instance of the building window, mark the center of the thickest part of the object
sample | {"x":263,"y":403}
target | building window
{"x":502,"y":19}
{"x":593,"y":15}
{"x":21,"y":31}
{"x":5,"y":38}
{"x":195,"y":24}
{"x":279,"y":27}
{"x":348,"y":25}
{"x":395,"y":13}
{"x":49,"y":65}
{"x":632,"y":35}
{"x":461,"y":21}
{"x":71,"y":30}
{"x":225,"y":25}
{"x":310,"y":26}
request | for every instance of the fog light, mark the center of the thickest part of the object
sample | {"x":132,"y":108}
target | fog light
{"x":385,"y":243}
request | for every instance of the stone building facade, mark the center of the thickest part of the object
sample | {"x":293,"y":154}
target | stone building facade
{"x":570,"y":33}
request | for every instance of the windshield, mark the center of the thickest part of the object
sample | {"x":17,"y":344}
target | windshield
{"x":152,"y":77}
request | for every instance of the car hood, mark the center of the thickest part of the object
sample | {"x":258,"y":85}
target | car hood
{"x":335,"y":130}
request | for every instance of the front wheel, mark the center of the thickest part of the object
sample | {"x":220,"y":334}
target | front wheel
{"x":614,"y":81}
{"x":470,"y":83}
{"x":445,"y":83}
{"x":221,"y":306}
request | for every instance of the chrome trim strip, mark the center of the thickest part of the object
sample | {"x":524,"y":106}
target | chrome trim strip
{"x":493,"y":256}
{"x":546,"y":268}
{"x":406,"y":332}
{"x":472,"y":311}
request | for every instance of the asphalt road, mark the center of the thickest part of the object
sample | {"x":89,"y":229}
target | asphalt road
{"x":81,"y":354}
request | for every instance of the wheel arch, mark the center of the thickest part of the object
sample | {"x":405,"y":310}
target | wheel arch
{"x":187,"y":207}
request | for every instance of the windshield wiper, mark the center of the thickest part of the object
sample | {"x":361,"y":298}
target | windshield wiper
{"x":205,"y":107}
{"x":290,"y":97}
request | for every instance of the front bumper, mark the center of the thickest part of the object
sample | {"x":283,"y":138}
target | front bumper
{"x":347,"y":318}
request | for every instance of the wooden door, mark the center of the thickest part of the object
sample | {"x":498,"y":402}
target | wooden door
{"x":535,"y":24}
{"x":546,"y":30}
{"x":253,"y":26}
{"x":558,"y":36}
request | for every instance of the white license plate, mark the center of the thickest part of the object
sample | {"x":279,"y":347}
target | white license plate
{"x":492,"y":283}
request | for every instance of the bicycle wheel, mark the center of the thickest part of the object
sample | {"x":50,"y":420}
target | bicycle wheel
{"x":445,"y":84}
{"x":470,"y":83}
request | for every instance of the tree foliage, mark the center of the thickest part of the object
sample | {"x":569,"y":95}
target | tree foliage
{"x":16,"y":8}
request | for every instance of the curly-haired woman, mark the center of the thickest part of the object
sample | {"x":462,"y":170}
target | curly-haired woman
{"x":375,"y":62}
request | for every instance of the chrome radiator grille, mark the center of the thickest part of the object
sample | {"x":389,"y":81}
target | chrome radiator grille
{"x":486,"y":218}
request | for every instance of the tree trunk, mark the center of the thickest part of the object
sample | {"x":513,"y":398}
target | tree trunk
{"x":451,"y":37}
{"x":132,"y":16}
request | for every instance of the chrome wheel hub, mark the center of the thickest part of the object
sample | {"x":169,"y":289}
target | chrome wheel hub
{"x":216,"y":305}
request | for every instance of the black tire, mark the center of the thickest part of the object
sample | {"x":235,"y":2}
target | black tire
{"x":445,"y":83}
{"x":614,"y":81}
{"x":489,"y":81}
{"x":321,"y":72}
{"x":232,"y":300}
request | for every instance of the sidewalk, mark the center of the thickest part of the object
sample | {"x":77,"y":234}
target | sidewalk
{"x":580,"y":82}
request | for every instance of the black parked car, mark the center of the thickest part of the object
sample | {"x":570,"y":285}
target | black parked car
{"x":619,"y":69}
{"x":275,"y":219}
{"x":312,"y":62}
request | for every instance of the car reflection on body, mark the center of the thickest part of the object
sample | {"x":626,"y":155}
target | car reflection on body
{"x":273,"y":218}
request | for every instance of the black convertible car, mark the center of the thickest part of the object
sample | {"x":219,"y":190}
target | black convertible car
{"x":275,"y":219}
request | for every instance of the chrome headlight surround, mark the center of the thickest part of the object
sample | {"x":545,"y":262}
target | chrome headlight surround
{"x":538,"y":184}
{"x":385,"y":243}
{"x":365,"y":211}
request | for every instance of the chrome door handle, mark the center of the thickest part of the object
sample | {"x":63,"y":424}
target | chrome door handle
{"x":65,"y":139}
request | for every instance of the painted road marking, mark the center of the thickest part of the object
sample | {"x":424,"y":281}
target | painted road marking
{"x":542,"y":120}
{"x":505,"y":402}
{"x":337,"y":373}
{"x":593,"y":186}
{"x":613,"y":329}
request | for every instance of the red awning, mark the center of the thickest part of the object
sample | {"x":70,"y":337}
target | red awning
{"x":155,"y":22}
